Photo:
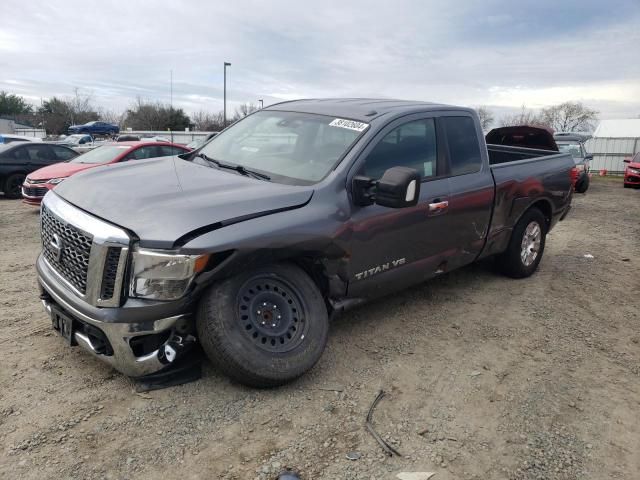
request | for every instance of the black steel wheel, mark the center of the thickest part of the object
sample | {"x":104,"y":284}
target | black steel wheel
{"x":264,"y":327}
{"x":272,"y":313}
{"x":13,"y":185}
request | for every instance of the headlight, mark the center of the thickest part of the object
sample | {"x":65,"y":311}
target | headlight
{"x":634,"y":170}
{"x":55,"y":181}
{"x":163,"y":276}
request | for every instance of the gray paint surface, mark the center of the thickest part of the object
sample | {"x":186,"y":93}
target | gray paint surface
{"x":174,"y":203}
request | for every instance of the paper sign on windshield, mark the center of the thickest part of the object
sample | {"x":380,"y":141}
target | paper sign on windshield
{"x":350,"y":124}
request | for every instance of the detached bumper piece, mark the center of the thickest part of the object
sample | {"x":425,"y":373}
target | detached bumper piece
{"x":154,"y":354}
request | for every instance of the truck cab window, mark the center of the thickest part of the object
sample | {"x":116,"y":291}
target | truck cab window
{"x":410,"y":145}
{"x":464,"y":147}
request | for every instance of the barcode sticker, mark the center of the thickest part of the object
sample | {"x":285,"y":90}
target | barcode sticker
{"x":350,"y":124}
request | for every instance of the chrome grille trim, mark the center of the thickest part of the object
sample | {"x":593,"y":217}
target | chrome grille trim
{"x":34,"y":192}
{"x":104,"y":236}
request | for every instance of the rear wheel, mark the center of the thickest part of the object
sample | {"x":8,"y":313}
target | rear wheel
{"x":582,"y":185}
{"x":526,"y":246}
{"x":13,"y":185}
{"x":264,"y":327}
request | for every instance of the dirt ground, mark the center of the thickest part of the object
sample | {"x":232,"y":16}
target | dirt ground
{"x":486,"y":378}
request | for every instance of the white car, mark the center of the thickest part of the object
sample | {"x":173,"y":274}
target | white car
{"x":7,"y":138}
{"x":80,"y":142}
{"x":155,"y":138}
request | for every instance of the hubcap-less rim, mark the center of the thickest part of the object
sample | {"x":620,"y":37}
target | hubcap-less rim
{"x":272,"y":314}
{"x":530,"y":246}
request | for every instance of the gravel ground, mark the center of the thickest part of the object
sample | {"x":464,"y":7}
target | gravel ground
{"x":486,"y":377}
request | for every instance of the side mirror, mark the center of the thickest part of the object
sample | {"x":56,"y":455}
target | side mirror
{"x":399,"y":187}
{"x":588,"y":157}
{"x":627,"y":160}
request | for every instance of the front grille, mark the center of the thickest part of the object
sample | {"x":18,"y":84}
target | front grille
{"x":34,"y":191}
{"x":72,"y":261}
{"x":110,"y":272}
{"x":34,"y":182}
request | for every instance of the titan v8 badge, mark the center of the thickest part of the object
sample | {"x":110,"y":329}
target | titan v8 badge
{"x":380,"y":268}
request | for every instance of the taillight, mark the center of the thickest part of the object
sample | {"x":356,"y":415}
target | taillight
{"x":573,"y":175}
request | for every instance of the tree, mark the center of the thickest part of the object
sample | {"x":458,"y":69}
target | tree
{"x":145,"y":115}
{"x":524,"y":117}
{"x":58,"y":114}
{"x":569,"y":117}
{"x":111,"y":116}
{"x":14,"y":105}
{"x":244,"y":110}
{"x":208,"y":122}
{"x":486,"y":117}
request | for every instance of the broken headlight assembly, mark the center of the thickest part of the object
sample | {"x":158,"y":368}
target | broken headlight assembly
{"x":162,"y":275}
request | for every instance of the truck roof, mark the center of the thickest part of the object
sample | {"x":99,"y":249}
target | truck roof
{"x":361,"y":109}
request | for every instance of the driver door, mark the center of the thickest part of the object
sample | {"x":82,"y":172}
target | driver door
{"x":393,"y":248}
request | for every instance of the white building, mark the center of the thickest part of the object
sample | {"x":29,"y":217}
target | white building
{"x":13,"y":128}
{"x":612,"y":142}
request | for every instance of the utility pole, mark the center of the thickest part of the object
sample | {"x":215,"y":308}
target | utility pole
{"x":226,"y":64}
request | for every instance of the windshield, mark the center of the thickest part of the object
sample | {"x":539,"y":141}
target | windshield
{"x":290,"y":147}
{"x":575,"y":149}
{"x":74,"y":138}
{"x":104,"y":154}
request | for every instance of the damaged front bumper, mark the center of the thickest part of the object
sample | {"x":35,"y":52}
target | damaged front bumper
{"x":137,"y":339}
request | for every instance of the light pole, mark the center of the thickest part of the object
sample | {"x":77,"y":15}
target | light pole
{"x":261,"y":104}
{"x":226,"y":64}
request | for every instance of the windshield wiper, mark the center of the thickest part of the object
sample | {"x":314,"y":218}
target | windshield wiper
{"x":232,"y":166}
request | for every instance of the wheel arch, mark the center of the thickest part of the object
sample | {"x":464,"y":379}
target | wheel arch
{"x":545,"y":207}
{"x":323,"y":271}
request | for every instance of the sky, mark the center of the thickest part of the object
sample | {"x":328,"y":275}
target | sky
{"x":499,"y":53}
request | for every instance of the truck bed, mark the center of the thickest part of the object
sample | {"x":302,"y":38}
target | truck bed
{"x":523,"y":176}
{"x":499,"y":154}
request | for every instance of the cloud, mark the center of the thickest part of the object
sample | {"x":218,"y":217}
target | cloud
{"x":496,"y":52}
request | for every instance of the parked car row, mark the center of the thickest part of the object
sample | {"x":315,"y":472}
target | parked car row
{"x":18,"y":159}
{"x":30,"y":169}
{"x":38,"y":183}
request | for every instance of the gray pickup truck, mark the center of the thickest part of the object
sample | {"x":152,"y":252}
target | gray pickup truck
{"x":247,"y":246}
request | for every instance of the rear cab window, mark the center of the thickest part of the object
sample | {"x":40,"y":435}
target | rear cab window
{"x":464,"y":145}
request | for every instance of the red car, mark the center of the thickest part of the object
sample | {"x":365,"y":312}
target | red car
{"x":632,"y":171}
{"x":38,"y":183}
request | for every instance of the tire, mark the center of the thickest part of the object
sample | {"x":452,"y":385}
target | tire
{"x":12,"y":187}
{"x":582,"y":185}
{"x":515,"y":262}
{"x":254,"y":343}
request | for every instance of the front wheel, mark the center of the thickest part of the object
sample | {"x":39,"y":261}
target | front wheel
{"x":526,"y":246}
{"x":13,"y":185}
{"x":264,"y":327}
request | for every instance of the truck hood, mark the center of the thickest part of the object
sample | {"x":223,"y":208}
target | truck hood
{"x":165,"y":202}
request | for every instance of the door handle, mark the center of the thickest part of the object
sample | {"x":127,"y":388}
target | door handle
{"x":438,"y":207}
